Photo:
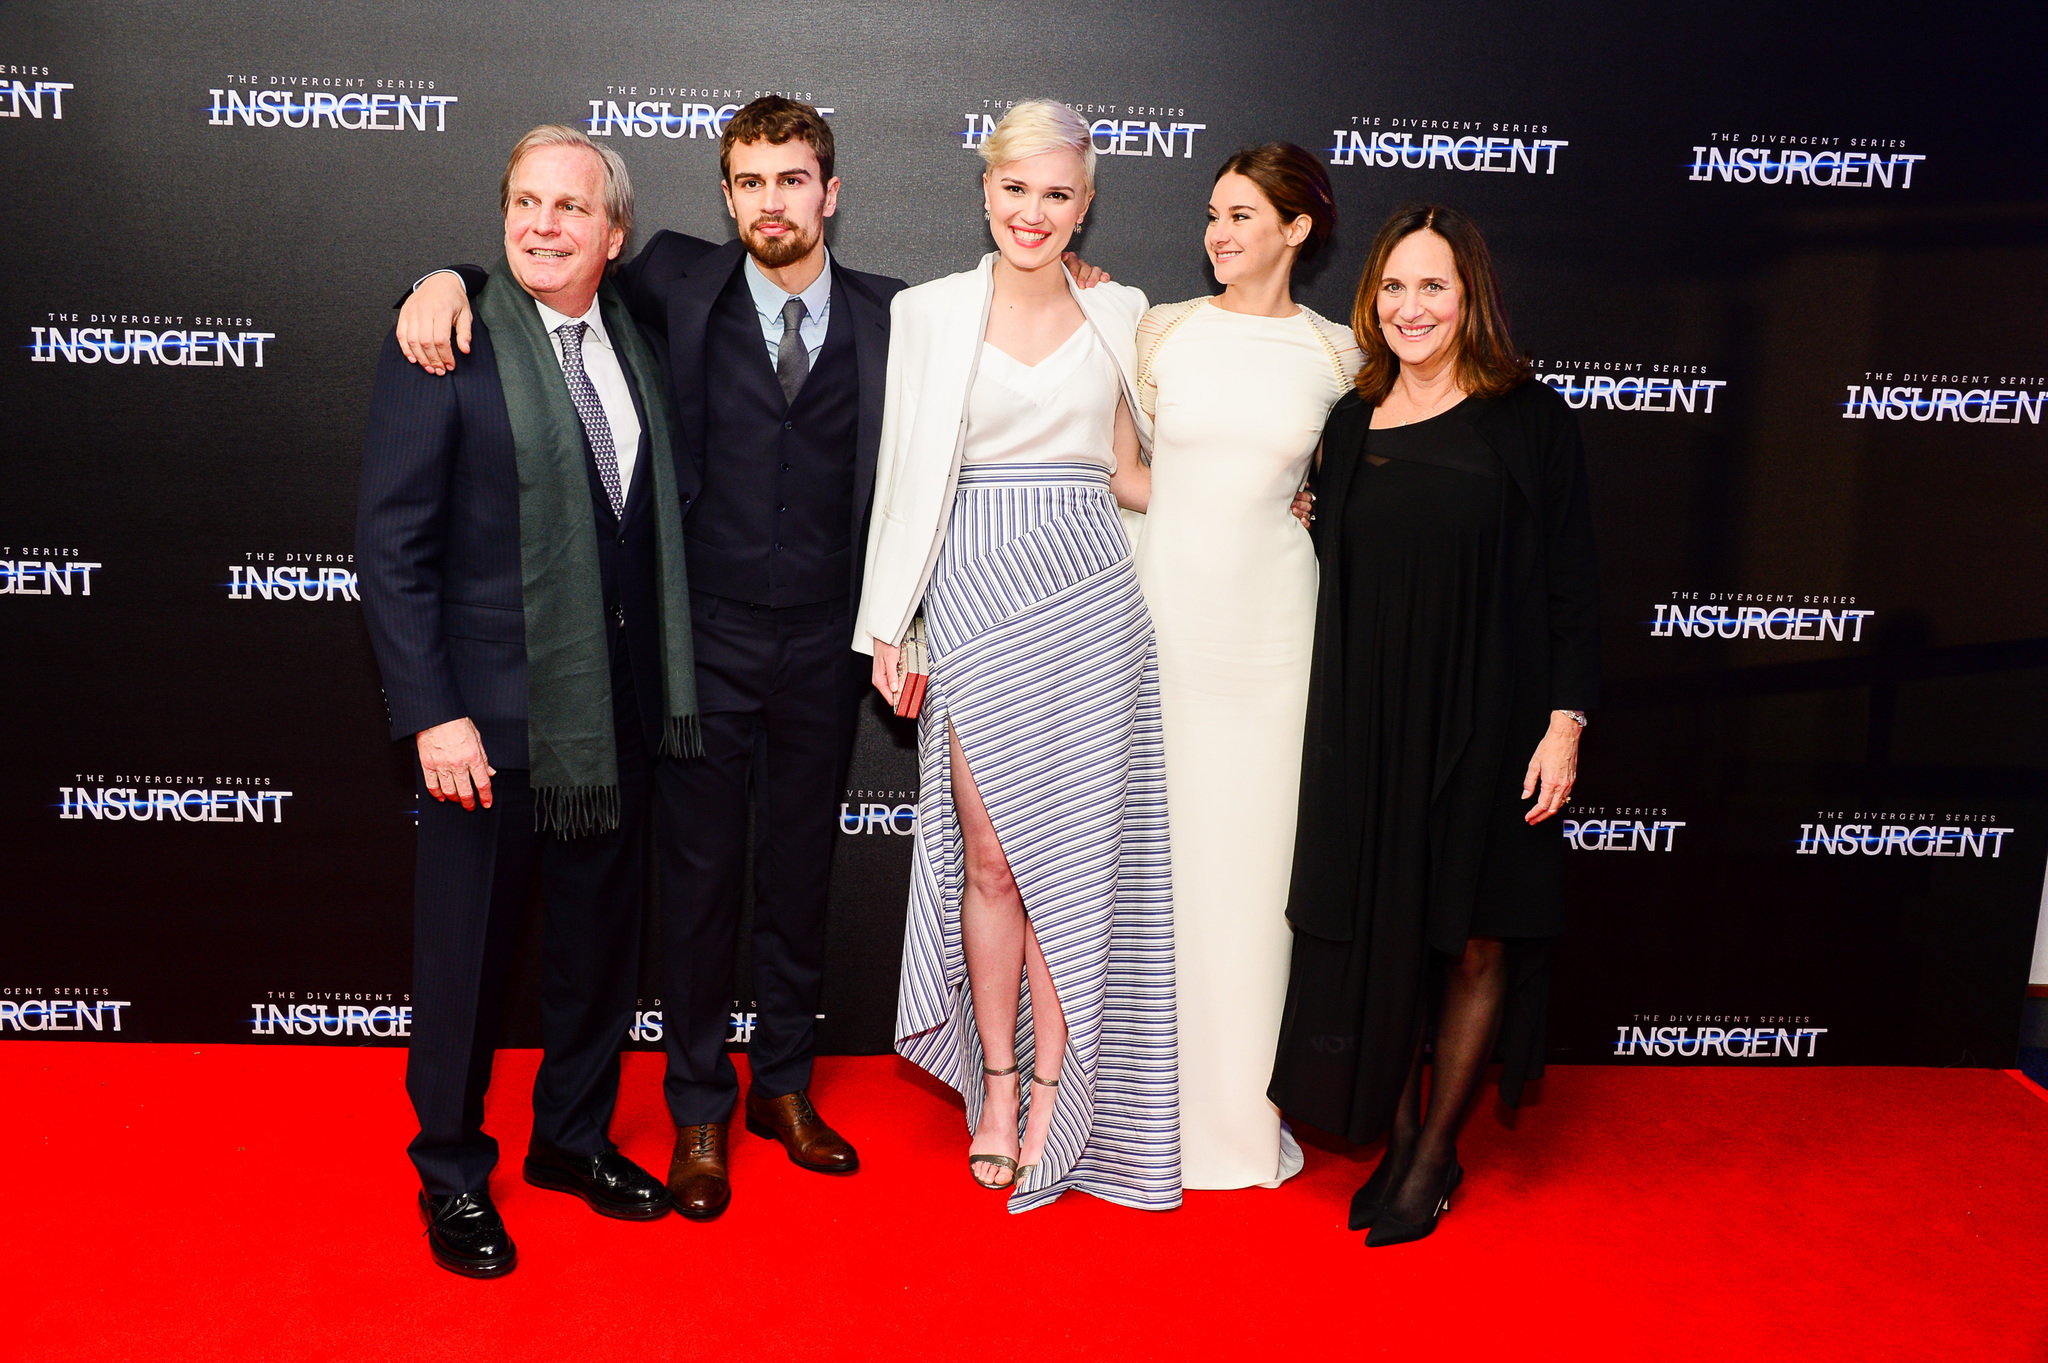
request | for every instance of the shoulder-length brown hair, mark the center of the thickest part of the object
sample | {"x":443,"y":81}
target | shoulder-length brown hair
{"x":1488,"y":364}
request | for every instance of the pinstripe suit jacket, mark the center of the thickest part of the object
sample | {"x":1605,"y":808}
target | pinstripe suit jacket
{"x":437,"y":550}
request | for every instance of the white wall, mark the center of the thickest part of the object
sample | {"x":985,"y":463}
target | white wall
{"x":2039,"y":974}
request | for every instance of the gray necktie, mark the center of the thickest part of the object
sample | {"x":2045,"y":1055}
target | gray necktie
{"x":792,"y":357}
{"x":595,"y":427}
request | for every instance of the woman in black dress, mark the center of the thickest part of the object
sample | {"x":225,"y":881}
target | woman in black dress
{"x":1457,"y":650}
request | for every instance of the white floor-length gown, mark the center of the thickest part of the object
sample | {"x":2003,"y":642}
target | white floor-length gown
{"x":1230,"y":577}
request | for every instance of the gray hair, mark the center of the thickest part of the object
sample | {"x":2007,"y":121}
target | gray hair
{"x":618,"y":185}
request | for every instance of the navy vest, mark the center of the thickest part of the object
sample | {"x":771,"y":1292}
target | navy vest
{"x":629,"y":571}
{"x":773,"y":523}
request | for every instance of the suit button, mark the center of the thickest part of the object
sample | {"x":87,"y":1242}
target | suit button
{"x":778,"y":546}
{"x":782,"y":508}
{"x":785,"y":468}
{"x":686,"y":499}
{"x":789,"y":425}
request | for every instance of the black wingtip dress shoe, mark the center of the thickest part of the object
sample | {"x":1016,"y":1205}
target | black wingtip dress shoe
{"x":612,"y":1184}
{"x":466,"y":1235}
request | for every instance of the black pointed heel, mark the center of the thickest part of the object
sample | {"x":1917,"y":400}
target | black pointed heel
{"x":1371,"y":1198}
{"x":1392,"y":1230}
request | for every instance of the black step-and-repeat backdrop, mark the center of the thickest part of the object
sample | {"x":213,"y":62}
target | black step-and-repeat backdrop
{"x":1786,"y":262}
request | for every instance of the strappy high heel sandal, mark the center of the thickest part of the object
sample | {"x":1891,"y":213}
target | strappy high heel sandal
{"x":997,"y":1161}
{"x":1024,"y":1169}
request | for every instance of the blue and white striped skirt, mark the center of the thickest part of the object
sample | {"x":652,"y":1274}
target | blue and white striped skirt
{"x":1042,"y":660}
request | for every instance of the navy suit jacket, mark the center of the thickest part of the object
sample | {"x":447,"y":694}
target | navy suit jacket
{"x":671,"y":286}
{"x":437,"y":553}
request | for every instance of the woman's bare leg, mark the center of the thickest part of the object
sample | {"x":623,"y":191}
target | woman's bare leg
{"x":1048,"y":1045}
{"x":992,"y":934}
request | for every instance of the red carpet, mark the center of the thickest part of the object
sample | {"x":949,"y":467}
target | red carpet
{"x":233,"y":1202}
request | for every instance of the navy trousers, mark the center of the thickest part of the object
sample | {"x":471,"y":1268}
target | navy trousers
{"x":474,"y":870}
{"x":778,"y":692}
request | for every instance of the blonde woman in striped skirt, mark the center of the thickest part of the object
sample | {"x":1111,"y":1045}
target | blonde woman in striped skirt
{"x":1038,"y":953}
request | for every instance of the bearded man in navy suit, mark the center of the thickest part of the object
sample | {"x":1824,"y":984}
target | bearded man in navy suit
{"x":777,"y":354}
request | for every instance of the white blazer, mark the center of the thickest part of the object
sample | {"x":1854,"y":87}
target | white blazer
{"x":935,"y":336}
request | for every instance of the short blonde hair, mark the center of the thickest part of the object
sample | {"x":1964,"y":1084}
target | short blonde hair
{"x":618,"y":186}
{"x":1040,"y":125}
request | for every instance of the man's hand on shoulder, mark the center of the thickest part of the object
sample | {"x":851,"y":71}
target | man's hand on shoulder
{"x":1085,"y":275}
{"x":452,"y":756}
{"x":440,"y":305}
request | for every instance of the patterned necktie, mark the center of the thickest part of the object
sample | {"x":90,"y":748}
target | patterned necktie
{"x":792,"y":357}
{"x":595,"y":427}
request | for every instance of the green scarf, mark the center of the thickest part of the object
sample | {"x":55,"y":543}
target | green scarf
{"x":570,"y":738}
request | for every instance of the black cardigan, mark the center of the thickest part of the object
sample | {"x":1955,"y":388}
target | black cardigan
{"x":1551,"y":617}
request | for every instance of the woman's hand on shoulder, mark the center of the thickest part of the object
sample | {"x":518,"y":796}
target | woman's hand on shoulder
{"x":1086,"y":276}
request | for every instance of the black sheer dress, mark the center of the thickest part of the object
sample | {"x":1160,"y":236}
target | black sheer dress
{"x":1436,"y":669}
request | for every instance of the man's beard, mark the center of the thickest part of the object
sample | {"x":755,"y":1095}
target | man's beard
{"x":772,"y":253}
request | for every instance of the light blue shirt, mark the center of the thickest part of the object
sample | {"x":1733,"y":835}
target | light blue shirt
{"x":769,"y":298}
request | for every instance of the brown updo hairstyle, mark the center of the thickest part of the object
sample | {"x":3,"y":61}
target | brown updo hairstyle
{"x":1488,"y":364}
{"x":1295,"y":183}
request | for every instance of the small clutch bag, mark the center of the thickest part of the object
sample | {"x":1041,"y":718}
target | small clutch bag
{"x":916,"y":671}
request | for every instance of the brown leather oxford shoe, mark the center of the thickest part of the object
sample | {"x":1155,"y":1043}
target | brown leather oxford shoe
{"x":697,"y":1178}
{"x":792,"y":1120}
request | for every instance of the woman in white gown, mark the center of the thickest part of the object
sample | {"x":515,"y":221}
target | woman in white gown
{"x":1238,"y":387}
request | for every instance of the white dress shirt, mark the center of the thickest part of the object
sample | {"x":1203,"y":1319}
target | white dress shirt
{"x":608,"y":376}
{"x":769,"y":298}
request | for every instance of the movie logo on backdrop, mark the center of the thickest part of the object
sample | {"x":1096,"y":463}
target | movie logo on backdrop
{"x":1752,"y":540}
{"x":343,"y":103}
{"x":34,"y":570}
{"x":739,"y":1026}
{"x":1114,"y":128}
{"x":292,"y":577}
{"x":676,"y":112}
{"x":1997,"y":400}
{"x":172,"y":799}
{"x":1732,"y":1036}
{"x":1399,"y":142}
{"x":1800,"y":159}
{"x":207,"y":341}
{"x":1632,"y":386}
{"x":1620,"y":828}
{"x":891,"y":812}
{"x":646,"y":1025}
{"x":328,"y":1016}
{"x":1885,"y":833}
{"x":1784,"y":617}
{"x":44,"y":1011}
{"x":28,"y":92}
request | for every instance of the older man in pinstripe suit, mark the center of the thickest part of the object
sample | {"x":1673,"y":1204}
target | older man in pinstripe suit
{"x":469,"y":636}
